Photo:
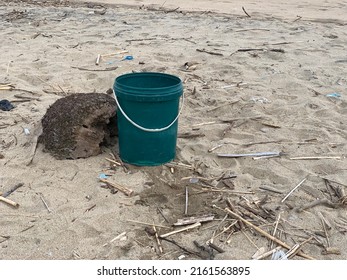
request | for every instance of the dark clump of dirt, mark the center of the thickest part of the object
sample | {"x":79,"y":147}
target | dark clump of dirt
{"x":76,"y":125}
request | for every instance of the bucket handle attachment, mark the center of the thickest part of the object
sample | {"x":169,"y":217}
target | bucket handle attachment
{"x":148,"y":129}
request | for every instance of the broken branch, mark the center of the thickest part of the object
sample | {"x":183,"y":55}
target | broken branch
{"x":264,"y":233}
{"x":121,"y":188}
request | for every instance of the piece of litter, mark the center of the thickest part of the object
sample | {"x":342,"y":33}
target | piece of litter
{"x":279,"y":255}
{"x":128,"y":57}
{"x":193,"y":180}
{"x":334,"y":95}
{"x":260,"y":99}
{"x":103,"y":176}
{"x":181,"y":257}
{"x":26,"y":131}
{"x":6,"y":105}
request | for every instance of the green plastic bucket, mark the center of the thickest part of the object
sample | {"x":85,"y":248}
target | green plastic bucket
{"x":148,"y":110}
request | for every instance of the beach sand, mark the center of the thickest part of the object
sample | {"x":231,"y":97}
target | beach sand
{"x":273,"y":81}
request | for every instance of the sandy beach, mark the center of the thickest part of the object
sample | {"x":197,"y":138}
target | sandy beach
{"x":266,"y":78}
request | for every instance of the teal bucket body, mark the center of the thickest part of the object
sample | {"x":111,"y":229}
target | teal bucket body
{"x":147,"y":117}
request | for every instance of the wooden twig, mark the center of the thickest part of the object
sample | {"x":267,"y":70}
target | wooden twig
{"x":90,"y":208}
{"x":97,"y":70}
{"x":249,"y":50}
{"x":296,"y":248}
{"x":119,"y":236}
{"x":244,"y":10}
{"x":209,"y":52}
{"x":275,"y":229}
{"x":215,"y":247}
{"x":331,"y":250}
{"x":326,"y":233}
{"x":260,"y":154}
{"x":271,"y":189}
{"x":249,"y":239}
{"x":114,"y":162}
{"x":33,"y":150}
{"x":142,"y":39}
{"x":264,"y":233}
{"x":121,"y":188}
{"x":315,"y":158}
{"x":189,"y":135}
{"x":158,"y":240}
{"x":181,"y":247}
{"x":148,"y":224}
{"x":162,"y":214}
{"x":26,"y":97}
{"x":44,"y":202}
{"x":17,"y":186}
{"x":112,"y":54}
{"x":314,"y":203}
{"x":297,"y":186}
{"x":326,"y":222}
{"x":181,"y":230}
{"x":194,"y":220}
{"x":186,"y":203}
{"x":9,"y":202}
{"x":266,"y":254}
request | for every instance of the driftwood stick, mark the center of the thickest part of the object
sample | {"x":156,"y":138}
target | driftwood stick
{"x":187,"y":201}
{"x":6,"y":194}
{"x":276,"y":226}
{"x":314,"y":203}
{"x":217,"y":248}
{"x":121,"y":188}
{"x":158,"y":240}
{"x":147,"y":224}
{"x":271,"y":189}
{"x":113,"y":161}
{"x":181,"y":247}
{"x":9,"y":202}
{"x":326,"y":222}
{"x":33,"y":150}
{"x":193,"y":220}
{"x":296,"y":248}
{"x":162,"y":214}
{"x":209,"y":52}
{"x":264,"y":233}
{"x":181,"y":230}
{"x":97,"y":70}
{"x":44,"y":202}
{"x":244,"y":10}
{"x":315,"y":158}
{"x":298,"y":185}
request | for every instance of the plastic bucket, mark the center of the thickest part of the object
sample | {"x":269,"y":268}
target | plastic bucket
{"x":147,"y":116}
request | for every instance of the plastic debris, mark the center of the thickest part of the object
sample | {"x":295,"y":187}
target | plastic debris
{"x":26,"y":131}
{"x":279,"y":255}
{"x":128,"y":57}
{"x":260,"y":99}
{"x":193,"y":180}
{"x":6,"y":105}
{"x":103,"y":176}
{"x":334,"y":95}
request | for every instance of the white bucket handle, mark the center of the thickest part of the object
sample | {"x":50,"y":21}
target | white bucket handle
{"x":148,"y":129}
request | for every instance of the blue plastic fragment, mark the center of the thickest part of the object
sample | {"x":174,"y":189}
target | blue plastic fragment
{"x":334,"y":94}
{"x":103,"y":176}
{"x":128,"y":57}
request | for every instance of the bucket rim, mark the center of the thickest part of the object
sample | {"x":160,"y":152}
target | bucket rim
{"x":148,"y":74}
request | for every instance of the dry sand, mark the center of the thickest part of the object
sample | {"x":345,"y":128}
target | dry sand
{"x":272,"y":98}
